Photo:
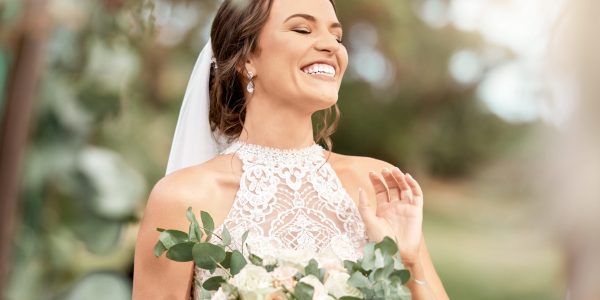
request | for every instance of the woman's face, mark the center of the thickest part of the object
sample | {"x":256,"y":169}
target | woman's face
{"x":301,"y":60}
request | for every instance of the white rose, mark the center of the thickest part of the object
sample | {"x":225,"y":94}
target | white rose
{"x":284,"y":275}
{"x":329,"y":260}
{"x":252,"y":278}
{"x":320,"y":292}
{"x":276,"y":295}
{"x":258,"y":294}
{"x":337,"y":285}
{"x":219,"y":295}
{"x":295,"y":257}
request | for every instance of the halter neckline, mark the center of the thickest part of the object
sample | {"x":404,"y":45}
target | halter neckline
{"x":237,"y":144}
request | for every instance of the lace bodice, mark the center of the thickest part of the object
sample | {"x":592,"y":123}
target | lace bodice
{"x":291,"y":198}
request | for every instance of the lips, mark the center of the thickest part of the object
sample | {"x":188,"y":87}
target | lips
{"x":323,"y":68}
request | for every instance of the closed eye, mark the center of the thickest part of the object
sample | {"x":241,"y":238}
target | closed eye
{"x":302,"y":31}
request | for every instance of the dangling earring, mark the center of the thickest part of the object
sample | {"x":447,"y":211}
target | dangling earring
{"x":250,"y":86}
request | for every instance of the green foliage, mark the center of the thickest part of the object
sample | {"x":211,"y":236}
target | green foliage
{"x":304,"y":291}
{"x":380,"y":274}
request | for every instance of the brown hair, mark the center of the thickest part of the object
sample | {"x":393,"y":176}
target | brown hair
{"x":234,"y":36}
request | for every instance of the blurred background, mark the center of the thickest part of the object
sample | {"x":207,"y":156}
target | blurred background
{"x":491,"y":104}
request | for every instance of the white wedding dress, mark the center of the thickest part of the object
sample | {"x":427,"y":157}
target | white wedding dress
{"x":290,"y":199}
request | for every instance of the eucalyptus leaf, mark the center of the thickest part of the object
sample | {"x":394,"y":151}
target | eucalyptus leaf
{"x":194,"y":230}
{"x":159,"y":249}
{"x":387,"y":246}
{"x":304,"y":291}
{"x":244,"y":237}
{"x":256,"y":260}
{"x":181,"y":252}
{"x":403,"y":275}
{"x":237,"y":262}
{"x":226,"y":263}
{"x":312,"y":268}
{"x":213,"y":283}
{"x":368,"y":261}
{"x":170,"y":238}
{"x":226,"y":236}
{"x":379,"y":261}
{"x":206,"y":255}
{"x":208,"y":224}
{"x":358,"y":280}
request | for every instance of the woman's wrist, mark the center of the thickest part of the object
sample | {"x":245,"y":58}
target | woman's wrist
{"x":417,"y":273}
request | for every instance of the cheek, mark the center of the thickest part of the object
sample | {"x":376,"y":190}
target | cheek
{"x":343,"y":59}
{"x":279,"y":56}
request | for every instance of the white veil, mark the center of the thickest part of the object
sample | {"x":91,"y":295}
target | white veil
{"x":193,"y":141}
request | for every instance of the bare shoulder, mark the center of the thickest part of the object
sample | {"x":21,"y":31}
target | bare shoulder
{"x":202,"y":187}
{"x":357,"y":164}
{"x":353,"y":172}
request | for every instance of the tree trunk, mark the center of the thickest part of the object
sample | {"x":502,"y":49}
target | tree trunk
{"x":21,"y":91}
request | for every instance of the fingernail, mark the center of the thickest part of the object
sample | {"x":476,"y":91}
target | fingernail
{"x":409,"y":175}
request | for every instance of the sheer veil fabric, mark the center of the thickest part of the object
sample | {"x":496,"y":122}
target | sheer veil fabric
{"x":193,"y":141}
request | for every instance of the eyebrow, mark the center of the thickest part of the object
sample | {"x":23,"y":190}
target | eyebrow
{"x":312,"y":19}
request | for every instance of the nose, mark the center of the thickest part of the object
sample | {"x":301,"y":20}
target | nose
{"x":327,"y":42}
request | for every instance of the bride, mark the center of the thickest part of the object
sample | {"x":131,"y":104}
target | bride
{"x":245,"y":152}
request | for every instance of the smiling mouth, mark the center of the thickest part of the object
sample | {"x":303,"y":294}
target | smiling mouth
{"x":319,"y":70}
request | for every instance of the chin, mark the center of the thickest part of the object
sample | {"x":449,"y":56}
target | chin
{"x":325,"y":101}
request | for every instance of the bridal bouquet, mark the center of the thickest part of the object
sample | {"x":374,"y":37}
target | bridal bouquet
{"x":284,"y":274}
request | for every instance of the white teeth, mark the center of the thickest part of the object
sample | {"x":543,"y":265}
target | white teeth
{"x":320,"y":69}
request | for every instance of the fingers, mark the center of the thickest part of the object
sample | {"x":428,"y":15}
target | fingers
{"x":364,"y":208}
{"x":392,"y":184}
{"x":403,"y":186}
{"x":381,"y":190}
{"x":416,"y":189}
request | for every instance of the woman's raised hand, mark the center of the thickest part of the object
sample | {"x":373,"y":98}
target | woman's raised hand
{"x":398,"y":212}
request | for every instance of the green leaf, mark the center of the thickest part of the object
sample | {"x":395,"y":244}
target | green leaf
{"x":304,"y":291}
{"x":226,"y":236}
{"x":368,"y":261}
{"x":208,"y":224}
{"x":226,"y":263}
{"x":237,"y":262}
{"x":379,"y":261}
{"x":206,"y":255}
{"x":159,"y":249}
{"x":244,"y":237}
{"x":402,"y":275}
{"x":170,"y":238}
{"x":358,"y":280}
{"x":194,"y":230}
{"x":213,"y":283}
{"x":312,"y":268}
{"x":181,"y":252}
{"x":352,"y":267}
{"x":255,"y":260}
{"x":387,"y":246}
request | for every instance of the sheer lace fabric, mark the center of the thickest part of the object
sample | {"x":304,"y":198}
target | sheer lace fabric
{"x":290,"y":199}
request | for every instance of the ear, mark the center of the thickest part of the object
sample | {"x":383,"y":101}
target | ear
{"x":247,"y":66}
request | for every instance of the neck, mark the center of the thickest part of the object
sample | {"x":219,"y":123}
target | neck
{"x":276,"y":126}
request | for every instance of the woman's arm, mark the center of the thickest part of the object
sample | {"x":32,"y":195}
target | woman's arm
{"x":384,"y":207}
{"x":158,"y":277}
{"x":425,"y":282}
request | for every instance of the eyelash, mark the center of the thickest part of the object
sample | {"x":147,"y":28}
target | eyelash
{"x":303,"y":31}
